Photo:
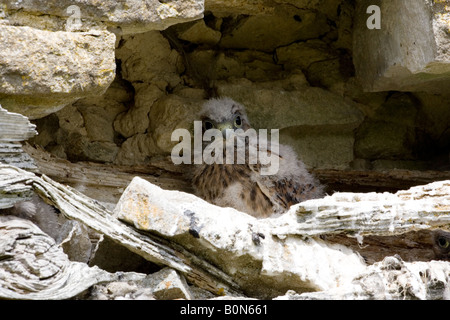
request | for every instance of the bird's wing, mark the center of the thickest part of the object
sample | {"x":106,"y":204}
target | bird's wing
{"x":286,"y":191}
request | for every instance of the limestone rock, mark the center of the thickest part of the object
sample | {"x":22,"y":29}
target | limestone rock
{"x":42,"y":71}
{"x":266,"y":32}
{"x":167,"y":284}
{"x":261,"y":258}
{"x":333,"y":149}
{"x":303,"y":54}
{"x":199,"y":33}
{"x":250,"y":64}
{"x":309,"y":106}
{"x":137,"y":149}
{"x":379,"y":139}
{"x":390,"y":279}
{"x":136,"y":119}
{"x":420,"y":207}
{"x":33,"y":267}
{"x":266,"y":257}
{"x":235,"y":7}
{"x":170,"y":113}
{"x":307,"y":117}
{"x":390,"y":132}
{"x":161,"y":69}
{"x":150,"y":122}
{"x":226,"y":8}
{"x":15,"y":128}
{"x":84,"y":130}
{"x":11,"y":196}
{"x":409,"y":52}
{"x":263,"y":265}
{"x":130,"y":16}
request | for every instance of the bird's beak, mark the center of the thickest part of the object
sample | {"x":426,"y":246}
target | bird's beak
{"x":224,"y":126}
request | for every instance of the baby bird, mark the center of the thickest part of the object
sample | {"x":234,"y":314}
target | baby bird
{"x":244,"y":185}
{"x":441,"y":244}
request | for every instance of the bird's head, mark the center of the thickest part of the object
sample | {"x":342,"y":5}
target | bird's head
{"x":223,"y":114}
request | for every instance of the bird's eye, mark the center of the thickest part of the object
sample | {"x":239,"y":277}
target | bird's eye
{"x":238,"y":121}
{"x":208,"y":125}
{"x":443,"y":242}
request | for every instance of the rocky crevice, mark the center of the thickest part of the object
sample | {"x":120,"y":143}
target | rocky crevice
{"x":106,"y":86}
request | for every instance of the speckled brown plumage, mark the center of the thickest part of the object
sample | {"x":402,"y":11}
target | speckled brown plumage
{"x":242,"y":186}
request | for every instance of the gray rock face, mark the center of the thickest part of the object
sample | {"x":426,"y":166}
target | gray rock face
{"x":29,"y":256}
{"x":42,"y":71}
{"x":54,"y":52}
{"x":130,"y":16}
{"x":411,"y":50}
{"x":283,"y":26}
{"x":15,"y":128}
{"x":267,"y":257}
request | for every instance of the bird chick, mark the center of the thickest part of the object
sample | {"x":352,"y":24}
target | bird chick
{"x":244,"y":186}
{"x":441,"y":244}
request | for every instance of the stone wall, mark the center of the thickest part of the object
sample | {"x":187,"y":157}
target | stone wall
{"x":114,"y":88}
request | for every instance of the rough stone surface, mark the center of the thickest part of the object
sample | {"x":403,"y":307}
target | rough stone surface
{"x":136,"y":119}
{"x":42,"y":71}
{"x":181,"y":112}
{"x":390,"y":279}
{"x":409,"y":52}
{"x":303,"y":54}
{"x":198,"y":32}
{"x":378,"y":139}
{"x":32,"y":266}
{"x":269,"y":256}
{"x":226,"y":7}
{"x":302,"y":116}
{"x":292,"y":64}
{"x":374,"y":213}
{"x":130,"y":16}
{"x":304,"y":86}
{"x":247,"y":249}
{"x":283,"y":26}
{"x":15,"y":128}
{"x":148,"y":57}
{"x":167,"y":284}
